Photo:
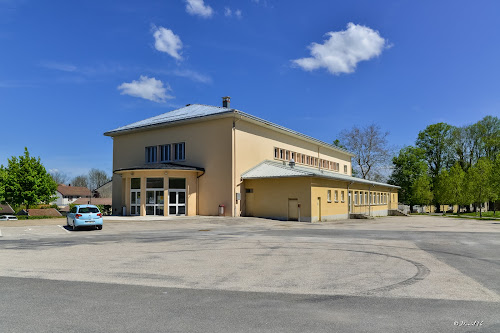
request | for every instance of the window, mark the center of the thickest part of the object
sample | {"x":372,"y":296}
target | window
{"x":361,"y":201}
{"x":338,"y":167}
{"x":366,"y":198}
{"x":293,"y":156}
{"x":282,"y":153}
{"x":287,"y":155}
{"x":356,"y":197}
{"x":345,"y":168}
{"x":308,"y":160}
{"x":249,"y":190}
{"x":329,"y":195}
{"x":177,"y":183}
{"x":276,"y":152}
{"x":135,"y":183}
{"x":165,"y":153}
{"x":151,"y":154}
{"x":154,"y":182}
{"x":342,"y":196}
{"x":179,"y":151}
{"x":299,"y":158}
{"x":371,"y":198}
{"x":378,"y":198}
{"x":303,"y":159}
{"x":336,"y":196}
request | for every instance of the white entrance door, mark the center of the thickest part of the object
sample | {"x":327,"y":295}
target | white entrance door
{"x":135,"y":202}
{"x":177,"y":202}
{"x":154,"y":202}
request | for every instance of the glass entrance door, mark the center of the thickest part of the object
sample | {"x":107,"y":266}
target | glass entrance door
{"x":177,"y":202}
{"x":135,"y":202}
{"x":154,"y":202}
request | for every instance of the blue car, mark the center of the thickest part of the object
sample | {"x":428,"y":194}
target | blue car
{"x":84,"y":216}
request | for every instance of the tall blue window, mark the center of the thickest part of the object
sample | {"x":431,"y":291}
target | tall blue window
{"x":151,"y":155}
{"x":179,"y":151}
{"x":165,"y":153}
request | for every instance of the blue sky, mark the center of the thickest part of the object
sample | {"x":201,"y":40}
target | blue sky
{"x":71,"y":70}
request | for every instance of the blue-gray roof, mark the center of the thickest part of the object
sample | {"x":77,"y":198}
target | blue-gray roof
{"x":194,"y":111}
{"x":273,"y":169}
{"x":190,"y":111}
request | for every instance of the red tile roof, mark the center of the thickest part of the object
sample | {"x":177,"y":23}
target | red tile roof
{"x":74,"y":191}
{"x":94,"y":201}
{"x":6,"y":209}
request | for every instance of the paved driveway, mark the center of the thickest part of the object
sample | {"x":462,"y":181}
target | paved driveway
{"x":431,"y":259}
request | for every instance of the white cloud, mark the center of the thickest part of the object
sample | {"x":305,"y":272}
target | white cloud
{"x":192,"y":75}
{"x":59,"y":66}
{"x":168,"y":42}
{"x":342,"y":51}
{"x":198,"y":7}
{"x":228,"y":12}
{"x":147,"y":88}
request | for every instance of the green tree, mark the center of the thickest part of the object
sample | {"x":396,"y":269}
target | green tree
{"x":27,"y":182}
{"x":495,"y":182}
{"x":436,"y":142}
{"x":407,"y":167}
{"x":3,"y":178}
{"x":441,"y":190}
{"x":479,"y":184}
{"x":458,"y":194}
{"x":421,"y":191}
{"x":489,"y":133}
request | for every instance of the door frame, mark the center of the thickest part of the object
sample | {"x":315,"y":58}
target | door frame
{"x":177,"y":203}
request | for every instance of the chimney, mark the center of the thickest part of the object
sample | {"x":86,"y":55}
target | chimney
{"x":226,"y":101}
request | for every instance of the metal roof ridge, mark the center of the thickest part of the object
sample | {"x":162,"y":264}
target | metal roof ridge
{"x":270,"y":123}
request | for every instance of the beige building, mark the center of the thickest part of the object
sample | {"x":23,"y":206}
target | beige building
{"x":199,"y":158}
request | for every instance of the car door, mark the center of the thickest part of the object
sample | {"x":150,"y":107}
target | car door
{"x":71,"y":216}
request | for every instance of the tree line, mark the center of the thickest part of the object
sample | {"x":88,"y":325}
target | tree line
{"x":450,"y":165}
{"x":94,"y":179}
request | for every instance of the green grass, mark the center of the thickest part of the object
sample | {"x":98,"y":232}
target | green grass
{"x":484,"y":214}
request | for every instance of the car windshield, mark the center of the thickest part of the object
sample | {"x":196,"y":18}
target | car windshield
{"x":88,"y":210}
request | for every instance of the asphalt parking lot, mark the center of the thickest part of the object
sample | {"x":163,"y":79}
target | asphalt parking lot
{"x":452,"y":263}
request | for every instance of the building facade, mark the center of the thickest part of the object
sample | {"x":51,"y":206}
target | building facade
{"x":67,"y":194}
{"x":199,"y":158}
